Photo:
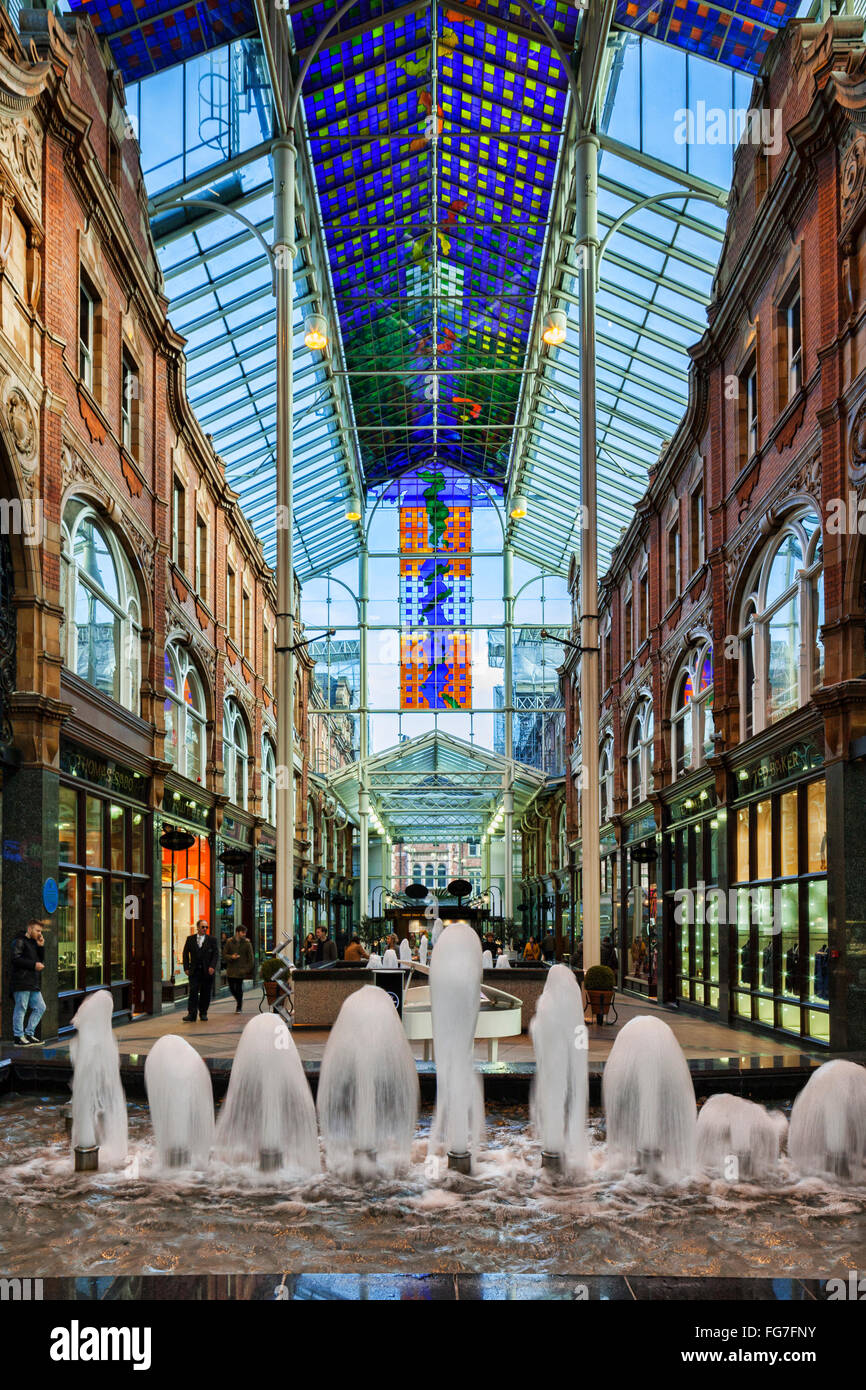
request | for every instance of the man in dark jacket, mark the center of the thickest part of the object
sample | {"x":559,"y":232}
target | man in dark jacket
{"x":609,"y":956}
{"x":326,"y":949}
{"x":200,"y":960}
{"x":238,"y":956}
{"x":548,"y":948}
{"x":28,"y":962}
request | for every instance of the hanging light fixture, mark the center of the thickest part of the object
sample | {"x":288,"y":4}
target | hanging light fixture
{"x":353,"y":508}
{"x":316,"y":332}
{"x":555,"y":327}
{"x":518,"y":508}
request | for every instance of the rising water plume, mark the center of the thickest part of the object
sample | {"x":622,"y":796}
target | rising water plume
{"x":180,"y":1096}
{"x":368,"y":1088}
{"x":269,"y":1118}
{"x":559,"y":1091}
{"x":98,"y":1101}
{"x":649,"y":1101}
{"x":455,"y":995}
{"x":828,"y":1122}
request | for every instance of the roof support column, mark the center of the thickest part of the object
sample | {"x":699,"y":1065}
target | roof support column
{"x":508,"y":837}
{"x":586,"y":237}
{"x":508,"y":797}
{"x":284,"y":156}
{"x":364,"y":733}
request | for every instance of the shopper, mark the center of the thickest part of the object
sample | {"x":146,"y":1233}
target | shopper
{"x":532,"y":950}
{"x":548,"y":948}
{"x":326,"y":949}
{"x":238,"y":956}
{"x":355,"y":952}
{"x":609,"y":956}
{"x":28,"y":963}
{"x":200,"y":960}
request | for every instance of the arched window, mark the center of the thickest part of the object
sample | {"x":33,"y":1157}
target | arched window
{"x":605,"y":781}
{"x":443,"y":877}
{"x":311,"y":829}
{"x":269,"y":781}
{"x":640,"y":754}
{"x":235,"y":754}
{"x":324,"y":848}
{"x":416,"y":873}
{"x":102,"y":628}
{"x":692,"y":711}
{"x":563,"y":840}
{"x":184,"y":714}
{"x":781,"y":652}
{"x":428,"y":875}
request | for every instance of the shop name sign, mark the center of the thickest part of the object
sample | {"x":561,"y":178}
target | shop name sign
{"x":78,"y":762}
{"x":779,"y":767}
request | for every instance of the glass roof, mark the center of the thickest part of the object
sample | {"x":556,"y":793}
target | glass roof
{"x":437,"y":194}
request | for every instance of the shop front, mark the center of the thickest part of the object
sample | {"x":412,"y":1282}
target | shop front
{"x":266,"y":866}
{"x":693,"y":841}
{"x":187,"y":856}
{"x":235,"y":878}
{"x":639,"y":940}
{"x":781,"y":965}
{"x":104,"y":918}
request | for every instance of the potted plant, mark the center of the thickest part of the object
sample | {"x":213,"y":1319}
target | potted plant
{"x":271,"y":966}
{"x":599,"y":983}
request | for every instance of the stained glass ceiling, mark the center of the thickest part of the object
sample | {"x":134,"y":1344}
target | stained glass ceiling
{"x":432,"y":136}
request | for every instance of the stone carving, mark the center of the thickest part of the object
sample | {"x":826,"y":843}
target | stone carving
{"x":857,"y":462}
{"x":853,"y":176}
{"x":21,"y":150}
{"x":22,"y":423}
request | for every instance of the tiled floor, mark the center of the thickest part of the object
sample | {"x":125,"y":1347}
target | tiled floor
{"x":699,"y":1038}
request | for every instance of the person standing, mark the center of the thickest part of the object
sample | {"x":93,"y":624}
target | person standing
{"x":28,"y":962}
{"x":200,"y":959}
{"x":326,"y":949}
{"x":548,"y":948}
{"x":238,"y":955}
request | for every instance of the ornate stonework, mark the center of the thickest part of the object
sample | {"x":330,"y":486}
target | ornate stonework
{"x":853,"y":176}
{"x":22,"y":423}
{"x":857,"y":447}
{"x":21,"y":153}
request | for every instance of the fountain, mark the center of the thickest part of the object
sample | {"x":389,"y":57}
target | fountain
{"x":828,"y":1122}
{"x":390,"y":961}
{"x":487,"y":960}
{"x":368,"y":1088}
{"x":455,"y":992}
{"x":405,"y":951}
{"x":268,"y":1116}
{"x":559,"y":1091}
{"x":374,"y":961}
{"x":180,"y":1096}
{"x":738,"y":1139}
{"x":649,"y":1101}
{"x":502,"y":962}
{"x":438,"y":928}
{"x":98,"y":1102}
{"x":423,"y":946}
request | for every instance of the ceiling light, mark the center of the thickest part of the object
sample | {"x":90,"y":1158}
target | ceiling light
{"x":555,"y":327}
{"x":316,"y":332}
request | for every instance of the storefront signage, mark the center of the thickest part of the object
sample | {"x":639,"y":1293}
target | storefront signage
{"x":180,"y":807}
{"x":794,"y":761}
{"x":113,"y":776}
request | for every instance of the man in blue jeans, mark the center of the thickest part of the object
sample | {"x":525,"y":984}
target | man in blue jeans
{"x":28,"y":962}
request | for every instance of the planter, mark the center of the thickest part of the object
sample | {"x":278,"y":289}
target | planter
{"x":600,"y":1001}
{"x":272,"y":992}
